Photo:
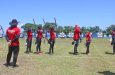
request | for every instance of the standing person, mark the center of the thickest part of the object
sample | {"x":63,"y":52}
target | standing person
{"x":12,"y":37}
{"x":29,"y":40}
{"x":38,"y":39}
{"x":113,"y":40}
{"x":52,"y":40}
{"x":76,"y":38}
{"x":88,"y":41}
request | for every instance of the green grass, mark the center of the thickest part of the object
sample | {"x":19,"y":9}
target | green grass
{"x":62,"y":63}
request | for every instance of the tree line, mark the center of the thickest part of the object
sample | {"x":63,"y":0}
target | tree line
{"x":67,"y":29}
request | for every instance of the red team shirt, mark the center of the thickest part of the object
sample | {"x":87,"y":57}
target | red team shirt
{"x":52,"y":35}
{"x":76,"y":33}
{"x":29,"y":35}
{"x":39,"y":34}
{"x":12,"y":33}
{"x":113,"y":33}
{"x":88,"y":37}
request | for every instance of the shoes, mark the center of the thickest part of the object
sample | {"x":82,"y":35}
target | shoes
{"x":76,"y":53}
{"x":39,"y":52}
{"x":26,"y":52}
{"x":14,"y":66}
{"x":7,"y":64}
{"x":30,"y":51}
{"x":87,"y":53}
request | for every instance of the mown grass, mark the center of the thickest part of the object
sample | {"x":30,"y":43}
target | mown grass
{"x":100,"y":61}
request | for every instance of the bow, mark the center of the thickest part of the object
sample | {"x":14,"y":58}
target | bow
{"x":1,"y":28}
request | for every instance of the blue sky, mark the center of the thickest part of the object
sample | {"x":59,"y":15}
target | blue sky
{"x":67,"y":12}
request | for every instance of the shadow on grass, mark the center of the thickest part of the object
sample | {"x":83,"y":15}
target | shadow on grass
{"x":34,"y":52}
{"x":109,"y":53}
{"x":106,"y":73}
{"x":83,"y":53}
{"x":49,"y":53}
{"x":72,"y":53}
{"x":28,"y":52}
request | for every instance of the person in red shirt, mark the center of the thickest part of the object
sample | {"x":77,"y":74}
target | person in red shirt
{"x":38,"y":39}
{"x":12,"y":37}
{"x":113,"y":40}
{"x":52,"y":40}
{"x":76,"y":38}
{"x":29,"y":40}
{"x":88,"y":41}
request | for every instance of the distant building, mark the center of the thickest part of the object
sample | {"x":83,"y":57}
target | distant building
{"x":100,"y":35}
{"x":70,"y":35}
{"x":62,"y":35}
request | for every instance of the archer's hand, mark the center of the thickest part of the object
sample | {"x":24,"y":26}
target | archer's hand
{"x":9,"y":43}
{"x":73,"y":43}
{"x":111,"y":43}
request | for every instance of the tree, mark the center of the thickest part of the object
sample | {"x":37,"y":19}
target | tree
{"x":109,"y":29}
{"x":48,"y":25}
{"x":68,"y":29}
{"x":97,"y":29}
{"x":84,"y":29}
{"x":30,"y":25}
{"x":59,"y":29}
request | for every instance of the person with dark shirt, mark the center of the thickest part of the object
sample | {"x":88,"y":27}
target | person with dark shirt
{"x":12,"y":37}
{"x":88,"y":41}
{"x":39,"y":39}
{"x":52,"y":40}
{"x":113,"y":40}
{"x":29,"y":40}
{"x":76,"y":38}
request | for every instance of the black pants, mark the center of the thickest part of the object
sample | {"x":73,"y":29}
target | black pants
{"x":38,"y":42}
{"x":29,"y":44}
{"x":114,"y":48}
{"x":87,"y":45}
{"x":15,"y":51}
{"x":76,"y":46}
{"x":51,"y":49}
{"x":113,"y":43}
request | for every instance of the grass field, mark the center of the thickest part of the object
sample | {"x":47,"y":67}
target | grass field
{"x":100,"y":61}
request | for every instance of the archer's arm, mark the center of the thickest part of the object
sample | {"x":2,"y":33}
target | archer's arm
{"x":16,"y":38}
{"x":6,"y":37}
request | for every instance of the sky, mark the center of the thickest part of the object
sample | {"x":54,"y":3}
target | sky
{"x":67,"y":12}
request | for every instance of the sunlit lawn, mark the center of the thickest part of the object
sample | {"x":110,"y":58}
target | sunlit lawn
{"x":100,"y":61}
